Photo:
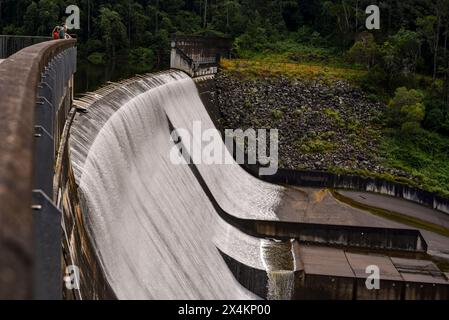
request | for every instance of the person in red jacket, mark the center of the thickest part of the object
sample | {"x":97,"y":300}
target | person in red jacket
{"x":55,"y":33}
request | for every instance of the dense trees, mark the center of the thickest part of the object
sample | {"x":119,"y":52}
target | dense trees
{"x":112,"y":30}
{"x":338,"y":22}
{"x":413,"y":38}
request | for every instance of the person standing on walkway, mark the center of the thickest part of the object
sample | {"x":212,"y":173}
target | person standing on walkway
{"x":66,"y":35}
{"x":62,"y":32}
{"x":55,"y":33}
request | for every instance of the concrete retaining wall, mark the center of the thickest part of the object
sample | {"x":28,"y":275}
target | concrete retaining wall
{"x":36,"y":90}
{"x":353,"y":182}
{"x":254,"y":280}
{"x":320,"y":287}
{"x":28,"y":151}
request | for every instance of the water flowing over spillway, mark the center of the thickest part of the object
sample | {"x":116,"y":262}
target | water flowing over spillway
{"x":237,"y":192}
{"x":155,"y":230}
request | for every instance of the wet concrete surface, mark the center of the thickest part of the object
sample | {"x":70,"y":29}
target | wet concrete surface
{"x":438,"y":245}
{"x":313,"y":205}
{"x":310,"y":205}
{"x":400,"y":206}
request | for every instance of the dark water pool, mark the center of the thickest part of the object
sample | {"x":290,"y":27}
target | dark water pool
{"x":90,"y":77}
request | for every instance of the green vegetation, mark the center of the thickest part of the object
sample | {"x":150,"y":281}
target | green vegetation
{"x":96,"y":58}
{"x":406,"y":110}
{"x":273,"y":65}
{"x":141,"y":59}
{"x":318,"y":144}
{"x":381,"y":176}
{"x":424,"y":154}
{"x":335,"y":116}
{"x":277,"y":114}
{"x":327,"y":39}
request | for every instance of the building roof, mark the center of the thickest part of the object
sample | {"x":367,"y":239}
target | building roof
{"x":325,"y":261}
{"x":360,"y":262}
{"x":421,"y":271}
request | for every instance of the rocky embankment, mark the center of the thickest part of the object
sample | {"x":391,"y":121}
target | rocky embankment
{"x":321,"y":127}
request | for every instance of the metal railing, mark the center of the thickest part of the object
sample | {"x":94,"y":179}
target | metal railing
{"x":54,"y":100}
{"x":10,"y":44}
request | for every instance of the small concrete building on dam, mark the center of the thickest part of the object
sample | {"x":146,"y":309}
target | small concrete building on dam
{"x":93,"y":206}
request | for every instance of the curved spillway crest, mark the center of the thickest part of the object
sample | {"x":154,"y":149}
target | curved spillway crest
{"x":154,"y":229}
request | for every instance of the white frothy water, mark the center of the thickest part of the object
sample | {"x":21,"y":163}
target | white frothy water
{"x":278,"y":261}
{"x":281,"y":285}
{"x":154,"y":229}
{"x":237,"y":192}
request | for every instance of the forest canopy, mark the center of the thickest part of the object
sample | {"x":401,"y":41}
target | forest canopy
{"x":113,"y":25}
{"x":412,"y":40}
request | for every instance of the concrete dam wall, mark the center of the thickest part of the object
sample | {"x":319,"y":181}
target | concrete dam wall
{"x":141,"y":226}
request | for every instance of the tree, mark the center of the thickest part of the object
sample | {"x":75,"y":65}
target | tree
{"x":48,"y":16}
{"x":365,"y":51}
{"x":205,"y":15}
{"x":346,"y":15}
{"x":113,"y":31}
{"x":31,"y":18}
{"x":41,"y":17}
{"x":400,"y":54}
{"x":406,"y":110}
{"x":140,"y":23}
{"x":429,"y":29}
{"x":254,"y":39}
